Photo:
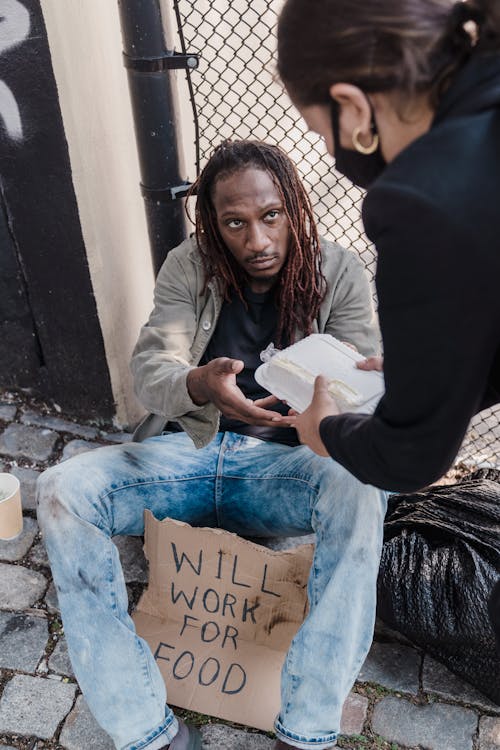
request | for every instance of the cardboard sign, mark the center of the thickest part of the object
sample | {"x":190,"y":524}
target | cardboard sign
{"x":219,"y":614}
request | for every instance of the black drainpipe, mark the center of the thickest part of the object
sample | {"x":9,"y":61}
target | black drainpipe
{"x":148,"y":63}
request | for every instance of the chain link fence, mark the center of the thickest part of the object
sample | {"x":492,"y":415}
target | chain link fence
{"x":236,"y":95}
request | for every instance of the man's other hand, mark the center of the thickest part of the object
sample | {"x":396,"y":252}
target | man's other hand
{"x":307,"y":424}
{"x":215,"y":382}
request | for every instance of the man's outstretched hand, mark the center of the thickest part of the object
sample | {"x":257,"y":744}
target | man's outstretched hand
{"x":307,"y":424}
{"x":215,"y":382}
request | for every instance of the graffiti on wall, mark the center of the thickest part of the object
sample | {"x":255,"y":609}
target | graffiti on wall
{"x":14,"y":29}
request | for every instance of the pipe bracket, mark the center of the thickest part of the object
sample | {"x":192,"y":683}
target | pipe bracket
{"x":165,"y":195}
{"x":172,"y":61}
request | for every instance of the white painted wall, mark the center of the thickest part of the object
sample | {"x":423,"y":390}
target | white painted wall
{"x":86,"y":50}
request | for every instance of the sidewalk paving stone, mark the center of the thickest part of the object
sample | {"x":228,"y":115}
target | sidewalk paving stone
{"x":28,"y":479}
{"x":439,"y":680}
{"x":81,"y":731}
{"x":51,"y":600}
{"x":393,"y":666}
{"x":59,"y":660}
{"x":22,"y":441}
{"x":7,"y":412}
{"x":222,"y":737}
{"x":75,"y":447}
{"x":354,"y":714}
{"x":23,"y":640}
{"x":435,"y":726}
{"x":59,"y":425}
{"x":20,"y":587}
{"x":489,"y":733}
{"x":34,"y":705}
{"x":38,"y":554}
{"x":132,"y":558}
{"x":15,"y":549}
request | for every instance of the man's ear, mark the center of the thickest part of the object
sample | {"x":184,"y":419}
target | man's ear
{"x":355,"y":112}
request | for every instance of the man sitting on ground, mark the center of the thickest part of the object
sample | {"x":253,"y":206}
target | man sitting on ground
{"x":254,"y":273}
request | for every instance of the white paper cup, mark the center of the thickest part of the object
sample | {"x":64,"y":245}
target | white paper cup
{"x":11,"y":514}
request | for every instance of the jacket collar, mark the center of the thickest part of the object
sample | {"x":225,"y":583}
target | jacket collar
{"x":193,"y":251}
{"x":475,"y":88}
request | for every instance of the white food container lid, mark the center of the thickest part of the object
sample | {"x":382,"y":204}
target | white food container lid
{"x":320,"y":354}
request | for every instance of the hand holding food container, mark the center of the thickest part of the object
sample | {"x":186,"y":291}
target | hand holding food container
{"x":292,"y":375}
{"x":11,"y":515}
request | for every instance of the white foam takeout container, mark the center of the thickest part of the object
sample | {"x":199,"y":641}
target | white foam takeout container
{"x":320,"y":354}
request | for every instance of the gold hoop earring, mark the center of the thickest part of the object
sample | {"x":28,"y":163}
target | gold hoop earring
{"x":359,"y":146}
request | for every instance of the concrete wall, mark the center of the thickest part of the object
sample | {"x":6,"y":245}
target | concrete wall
{"x":85,"y":44}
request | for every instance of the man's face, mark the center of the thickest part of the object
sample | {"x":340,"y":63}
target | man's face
{"x":253,"y":224}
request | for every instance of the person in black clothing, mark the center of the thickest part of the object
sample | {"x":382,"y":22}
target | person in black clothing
{"x":407,"y":98}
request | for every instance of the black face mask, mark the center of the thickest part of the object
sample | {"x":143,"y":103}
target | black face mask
{"x":361,"y":169}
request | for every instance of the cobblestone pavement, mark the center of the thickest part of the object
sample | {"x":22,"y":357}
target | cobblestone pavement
{"x":402,"y":699}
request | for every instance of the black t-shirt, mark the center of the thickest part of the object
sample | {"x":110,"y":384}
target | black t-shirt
{"x":242,"y":332}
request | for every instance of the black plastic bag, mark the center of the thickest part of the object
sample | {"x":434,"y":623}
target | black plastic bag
{"x":494,"y":607}
{"x":440,"y":565}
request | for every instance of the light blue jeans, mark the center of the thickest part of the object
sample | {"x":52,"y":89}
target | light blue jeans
{"x":238,"y":483}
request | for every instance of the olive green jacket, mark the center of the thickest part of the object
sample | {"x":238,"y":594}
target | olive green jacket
{"x":184,"y":318}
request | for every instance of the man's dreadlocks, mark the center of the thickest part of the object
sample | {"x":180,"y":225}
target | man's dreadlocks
{"x":301,"y":284}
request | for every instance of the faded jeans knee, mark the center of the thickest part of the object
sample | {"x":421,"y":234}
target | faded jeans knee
{"x":62,"y":494}
{"x":344,"y":500}
{"x":48,"y":504}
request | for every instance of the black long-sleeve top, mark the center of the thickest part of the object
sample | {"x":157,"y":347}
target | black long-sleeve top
{"x":434,"y":216}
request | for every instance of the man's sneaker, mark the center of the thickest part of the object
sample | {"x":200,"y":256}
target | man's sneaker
{"x":187,"y":738}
